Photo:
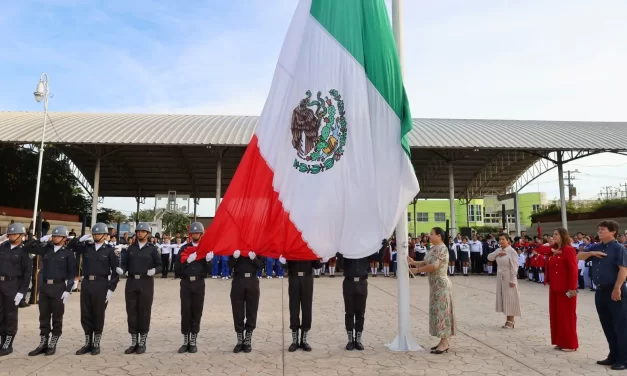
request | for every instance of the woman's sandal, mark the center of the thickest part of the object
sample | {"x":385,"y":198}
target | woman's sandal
{"x":506,"y":326}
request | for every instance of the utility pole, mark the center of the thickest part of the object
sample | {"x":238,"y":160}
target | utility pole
{"x":623,"y":192}
{"x":608,"y":192}
{"x":570,"y":175}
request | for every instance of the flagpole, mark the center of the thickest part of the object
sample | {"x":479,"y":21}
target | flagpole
{"x":403,"y":341}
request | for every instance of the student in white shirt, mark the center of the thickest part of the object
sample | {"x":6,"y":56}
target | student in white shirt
{"x":166,"y":256}
{"x":464,"y":255}
{"x":420,"y":251}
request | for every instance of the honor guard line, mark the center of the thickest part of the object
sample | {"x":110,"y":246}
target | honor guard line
{"x":453,"y":159}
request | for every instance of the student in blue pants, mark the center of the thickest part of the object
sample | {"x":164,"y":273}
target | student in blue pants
{"x":226,"y":273}
{"x":279,"y":270}
{"x":215,"y":268}
{"x":269,"y":267}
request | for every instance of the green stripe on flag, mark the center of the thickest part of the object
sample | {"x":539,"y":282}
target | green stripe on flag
{"x":363,"y":28}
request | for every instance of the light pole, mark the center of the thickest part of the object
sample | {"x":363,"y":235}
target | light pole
{"x":42,"y":92}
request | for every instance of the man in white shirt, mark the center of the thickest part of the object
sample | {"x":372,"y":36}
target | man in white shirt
{"x":476,"y":247}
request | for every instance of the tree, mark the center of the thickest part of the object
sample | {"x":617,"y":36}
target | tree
{"x":106,"y":215}
{"x":60,"y":192}
{"x":145,"y":215}
{"x":174,"y":222}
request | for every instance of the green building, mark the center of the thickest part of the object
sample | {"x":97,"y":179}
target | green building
{"x":478,"y":212}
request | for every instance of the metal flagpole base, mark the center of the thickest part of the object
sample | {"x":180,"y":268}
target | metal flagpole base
{"x":404,"y":343}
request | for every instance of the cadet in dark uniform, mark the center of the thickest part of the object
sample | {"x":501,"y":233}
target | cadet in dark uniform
{"x":193,"y":273}
{"x":355,"y":290}
{"x":300,"y":291}
{"x":100,"y":280}
{"x":142,"y":261}
{"x":59,"y":270}
{"x":15,"y":271}
{"x":244,"y":297}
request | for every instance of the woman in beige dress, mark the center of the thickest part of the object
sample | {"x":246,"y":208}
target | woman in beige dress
{"x":435,"y":264}
{"x":507,"y":296}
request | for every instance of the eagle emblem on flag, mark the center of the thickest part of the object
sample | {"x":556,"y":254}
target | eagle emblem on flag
{"x":319,"y":135}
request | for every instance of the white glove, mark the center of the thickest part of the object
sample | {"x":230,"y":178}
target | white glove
{"x":282,"y":260}
{"x":3,"y":238}
{"x":151,"y":272}
{"x":84,"y":238}
{"x":325,"y":259}
{"x":209,"y":256}
{"x":119,"y":271}
{"x":236,"y":253}
{"x":18,"y":298}
{"x":190,"y":258}
{"x":252,"y":255}
{"x":65,"y":297}
{"x":45,"y":238}
{"x":109,"y":293}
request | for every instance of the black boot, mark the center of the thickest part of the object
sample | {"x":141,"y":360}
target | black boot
{"x":303,"y":341}
{"x":133,"y":347}
{"x":240,"y":343}
{"x":192,"y":343}
{"x":7,"y":346}
{"x":184,"y":347}
{"x":141,"y":344}
{"x":358,"y":344}
{"x":86,"y":347}
{"x":43,"y":346}
{"x":351,"y":341}
{"x":95,"y":348}
{"x":248,"y":342}
{"x":52,"y":345}
{"x":294,"y":346}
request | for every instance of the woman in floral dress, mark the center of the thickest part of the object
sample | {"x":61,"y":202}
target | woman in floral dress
{"x":441,"y":318}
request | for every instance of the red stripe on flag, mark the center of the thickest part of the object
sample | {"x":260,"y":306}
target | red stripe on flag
{"x":252,"y":218}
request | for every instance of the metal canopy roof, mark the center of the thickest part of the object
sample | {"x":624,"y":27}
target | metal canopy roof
{"x":145,"y":154}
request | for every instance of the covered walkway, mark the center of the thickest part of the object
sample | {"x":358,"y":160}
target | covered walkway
{"x":144,"y":155}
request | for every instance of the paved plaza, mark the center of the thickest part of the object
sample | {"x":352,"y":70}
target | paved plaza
{"x":480,"y":346}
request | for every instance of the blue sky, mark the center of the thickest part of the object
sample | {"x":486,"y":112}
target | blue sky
{"x":550,"y":60}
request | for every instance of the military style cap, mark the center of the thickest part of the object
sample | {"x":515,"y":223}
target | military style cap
{"x":99,"y":228}
{"x":143,"y":226}
{"x":60,"y":231}
{"x":196,"y":228}
{"x":16,"y":228}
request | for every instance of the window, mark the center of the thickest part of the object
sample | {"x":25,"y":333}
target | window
{"x":536,"y":208}
{"x":493,"y":218}
{"x":475,"y":213}
{"x":408,"y":217}
{"x":422,"y":217}
{"x":440,"y":217}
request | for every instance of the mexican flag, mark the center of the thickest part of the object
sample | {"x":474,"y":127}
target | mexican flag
{"x":328,"y":169}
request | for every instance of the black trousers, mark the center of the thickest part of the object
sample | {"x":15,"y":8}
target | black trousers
{"x":613,"y":317}
{"x":165,"y":260}
{"x":245,"y":302}
{"x":300,"y":291}
{"x":477,"y":262}
{"x":33,"y":290}
{"x":581,"y":284}
{"x":139,"y":294}
{"x":51,"y":307}
{"x":8,"y":309}
{"x":355,"y":295}
{"x":192,"y":303}
{"x":93,"y":306}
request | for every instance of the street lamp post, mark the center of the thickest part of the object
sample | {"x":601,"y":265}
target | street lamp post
{"x":42,"y":92}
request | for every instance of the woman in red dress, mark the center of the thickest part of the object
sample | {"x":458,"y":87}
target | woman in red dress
{"x":561,"y":275}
